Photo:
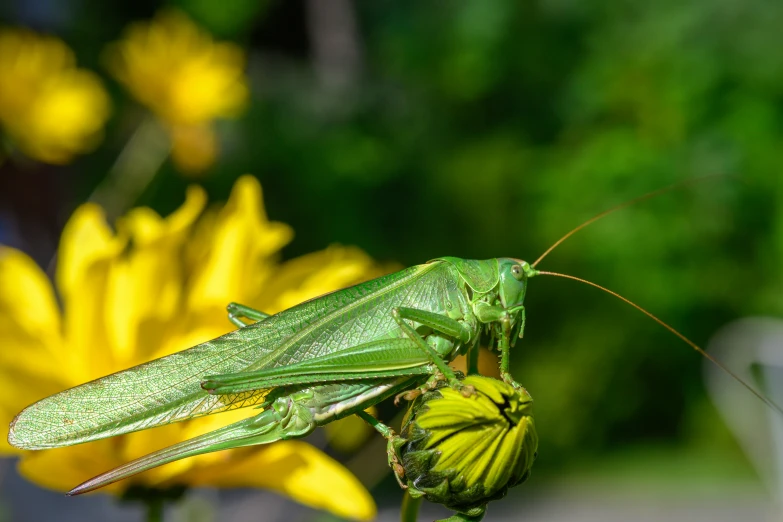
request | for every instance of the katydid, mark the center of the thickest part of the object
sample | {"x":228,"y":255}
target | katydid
{"x":316,"y":362}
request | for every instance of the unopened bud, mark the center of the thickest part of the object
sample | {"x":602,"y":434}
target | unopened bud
{"x":463,"y":452}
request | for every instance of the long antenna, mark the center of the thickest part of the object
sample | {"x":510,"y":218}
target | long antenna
{"x":628,"y":203}
{"x":693,"y":345}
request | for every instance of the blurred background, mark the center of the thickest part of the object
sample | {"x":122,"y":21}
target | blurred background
{"x":477,"y":129}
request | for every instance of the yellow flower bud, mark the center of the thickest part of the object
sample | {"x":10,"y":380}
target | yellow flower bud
{"x":466,"y":451}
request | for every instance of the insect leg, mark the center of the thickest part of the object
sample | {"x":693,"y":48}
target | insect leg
{"x":393,"y":442}
{"x":438,"y":323}
{"x":522,"y":324}
{"x":473,"y":358}
{"x":288,"y":417}
{"x":292,"y":414}
{"x":375,"y":359}
{"x":505,"y":349}
{"x":237,"y":311}
{"x":496,"y":315}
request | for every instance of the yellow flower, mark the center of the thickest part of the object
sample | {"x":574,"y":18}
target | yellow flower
{"x":464,"y":452}
{"x":156,"y":286}
{"x":50,"y":109}
{"x":187,"y":79}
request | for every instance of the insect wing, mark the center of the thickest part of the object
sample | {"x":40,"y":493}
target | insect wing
{"x":169,"y":389}
{"x":158,"y":392}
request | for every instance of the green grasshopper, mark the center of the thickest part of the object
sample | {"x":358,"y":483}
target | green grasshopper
{"x":306,"y":366}
{"x":314,"y":363}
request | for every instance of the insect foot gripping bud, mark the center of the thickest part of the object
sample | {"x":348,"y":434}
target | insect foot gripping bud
{"x":466,"y":451}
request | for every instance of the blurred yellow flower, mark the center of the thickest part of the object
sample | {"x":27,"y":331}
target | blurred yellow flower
{"x":156,"y":286}
{"x":188,"y":80}
{"x":49,"y":109}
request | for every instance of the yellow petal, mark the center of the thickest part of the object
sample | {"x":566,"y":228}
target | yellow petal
{"x":141,"y":443}
{"x":347,"y":434}
{"x":61,"y":469}
{"x":315,"y":274}
{"x":236,"y":255}
{"x":487,"y":363}
{"x":27,"y":301}
{"x":202,"y":90}
{"x":147,"y":228}
{"x":28,"y":379}
{"x":138,"y":444}
{"x":87,"y":250}
{"x":295,"y":469}
{"x":29,"y":336}
{"x":85,"y":239}
{"x":144,"y":286}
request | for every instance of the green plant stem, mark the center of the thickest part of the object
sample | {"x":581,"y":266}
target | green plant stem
{"x":409,"y":510}
{"x":154,"y":509}
{"x":473,"y":360}
{"x":135,"y":167}
{"x":461,"y":517}
{"x":153,"y":499}
{"x":132,"y":172}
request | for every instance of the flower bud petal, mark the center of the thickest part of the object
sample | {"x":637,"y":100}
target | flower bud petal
{"x":466,"y":451}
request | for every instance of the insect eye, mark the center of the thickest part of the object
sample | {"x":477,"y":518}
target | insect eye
{"x":516,"y":271}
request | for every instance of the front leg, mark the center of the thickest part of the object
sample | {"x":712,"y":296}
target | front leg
{"x":502,"y":319}
{"x":505,"y":353}
{"x":522,"y":324}
{"x":393,"y":443}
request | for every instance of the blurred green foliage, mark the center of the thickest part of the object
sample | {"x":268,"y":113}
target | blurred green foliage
{"x":490,"y":128}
